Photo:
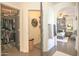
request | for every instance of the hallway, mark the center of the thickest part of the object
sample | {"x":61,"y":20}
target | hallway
{"x":67,"y":48}
{"x":39,"y":26}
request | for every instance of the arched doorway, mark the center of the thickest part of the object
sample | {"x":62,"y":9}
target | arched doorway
{"x":67,"y":30}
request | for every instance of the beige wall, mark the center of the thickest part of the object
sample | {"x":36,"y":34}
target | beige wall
{"x":34,"y":32}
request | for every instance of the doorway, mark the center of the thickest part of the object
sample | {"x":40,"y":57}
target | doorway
{"x":67,"y":30}
{"x":34,"y":32}
{"x":9,"y":30}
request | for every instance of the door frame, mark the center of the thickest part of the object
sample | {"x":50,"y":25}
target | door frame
{"x":41,"y":29}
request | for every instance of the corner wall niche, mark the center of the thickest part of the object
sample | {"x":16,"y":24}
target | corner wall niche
{"x":9,"y":28}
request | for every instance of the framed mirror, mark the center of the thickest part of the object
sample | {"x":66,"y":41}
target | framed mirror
{"x":34,"y":22}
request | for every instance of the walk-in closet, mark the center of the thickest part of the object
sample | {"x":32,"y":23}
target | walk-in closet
{"x":9,"y":28}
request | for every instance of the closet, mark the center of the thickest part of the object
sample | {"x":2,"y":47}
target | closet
{"x":9,"y":27}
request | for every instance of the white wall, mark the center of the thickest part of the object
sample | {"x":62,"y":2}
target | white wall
{"x":45,"y":26}
{"x":48,"y":18}
{"x":51,"y":21}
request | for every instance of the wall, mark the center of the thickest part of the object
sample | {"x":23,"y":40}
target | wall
{"x":34,"y":32}
{"x":51,"y":21}
{"x":48,"y":18}
{"x":45,"y":26}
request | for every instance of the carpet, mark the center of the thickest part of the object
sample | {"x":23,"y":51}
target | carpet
{"x":58,"y":53}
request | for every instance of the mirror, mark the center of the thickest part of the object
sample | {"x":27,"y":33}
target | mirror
{"x":34,"y":22}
